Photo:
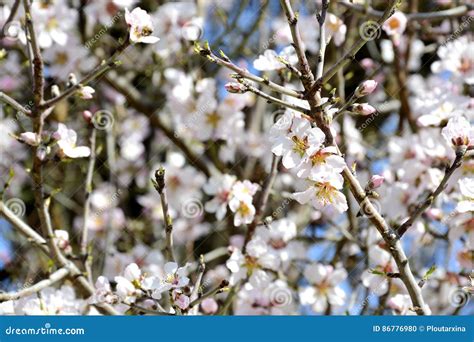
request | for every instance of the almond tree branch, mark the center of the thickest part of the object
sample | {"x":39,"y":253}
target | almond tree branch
{"x":226,"y":62}
{"x":37,"y":61}
{"x":41,"y":199}
{"x":306,"y":74}
{"x":87,"y":205}
{"x":159,"y":183}
{"x":421,"y":16}
{"x":74,"y":273}
{"x":12,"y":102}
{"x":322,"y":39}
{"x":275,"y":100}
{"x":312,"y":88}
{"x":262,"y":201}
{"x":313,"y":97}
{"x":392,"y":240}
{"x":197,"y":285}
{"x":41,"y":285}
{"x":23,"y":228}
{"x":428,"y":201}
{"x":222,"y":287}
{"x":350,"y":55}
{"x":104,"y":67}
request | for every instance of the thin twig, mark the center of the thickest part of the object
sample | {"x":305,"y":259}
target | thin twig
{"x":197,"y":284}
{"x":23,"y":228}
{"x":350,"y":55}
{"x":74,"y":273}
{"x":262,"y":201}
{"x":421,"y":16}
{"x":226,"y":62}
{"x":222,"y":287}
{"x":87,"y":206}
{"x":37,"y":62}
{"x":12,"y":102}
{"x":55,"y":277}
{"x":322,"y":39}
{"x":159,"y":183}
{"x":277,"y":101}
{"x":429,"y":200}
{"x":306,"y":74}
{"x":97,"y":72}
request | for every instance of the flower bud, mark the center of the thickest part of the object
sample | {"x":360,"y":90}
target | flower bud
{"x":367,"y":64}
{"x":42,"y":152}
{"x":235,"y":88}
{"x":56,"y":135}
{"x":366,"y":88}
{"x":71,"y":80}
{"x":55,"y":90}
{"x":87,"y":116}
{"x":434,"y":214}
{"x":209,"y":306}
{"x":363,"y":108}
{"x":30,"y":138}
{"x":376,"y":181}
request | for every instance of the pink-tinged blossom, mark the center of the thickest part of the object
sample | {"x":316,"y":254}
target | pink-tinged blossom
{"x":366,"y":88}
{"x":180,"y":299}
{"x":376,"y":181}
{"x":257,"y":258}
{"x":209,"y":306}
{"x":141,"y":26}
{"x":174,"y":278}
{"x":103,"y":292}
{"x":401,"y":304}
{"x":458,"y":132}
{"x":235,"y":87}
{"x":363,"y":108}
{"x":221,"y":188}
{"x":87,"y":116}
{"x":129,"y":286}
{"x":61,"y":239}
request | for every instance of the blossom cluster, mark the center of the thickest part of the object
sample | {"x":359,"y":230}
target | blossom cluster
{"x":161,"y":175}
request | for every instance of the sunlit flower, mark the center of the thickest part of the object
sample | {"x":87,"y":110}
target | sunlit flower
{"x":141,"y":26}
{"x":324,"y":192}
{"x":293,"y":146}
{"x":395,"y":25}
{"x":66,"y":139}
